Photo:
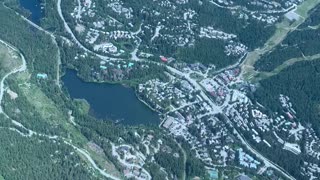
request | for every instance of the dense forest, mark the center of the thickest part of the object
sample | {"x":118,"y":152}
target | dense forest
{"x":203,"y":52}
{"x":38,"y":159}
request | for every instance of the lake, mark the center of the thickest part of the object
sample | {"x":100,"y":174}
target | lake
{"x":34,"y":6}
{"x":110,"y":101}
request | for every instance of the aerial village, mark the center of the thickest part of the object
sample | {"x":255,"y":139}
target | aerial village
{"x":210,"y":125}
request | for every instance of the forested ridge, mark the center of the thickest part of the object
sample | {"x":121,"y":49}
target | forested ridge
{"x":300,"y":82}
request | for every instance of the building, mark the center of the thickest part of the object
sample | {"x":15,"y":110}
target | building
{"x":163,"y":59}
{"x":213,"y":174}
{"x":42,"y":76}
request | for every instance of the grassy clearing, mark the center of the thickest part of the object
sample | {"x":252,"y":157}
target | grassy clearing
{"x":83,"y":105}
{"x":283,"y":29}
{"x":41,"y":104}
{"x":9,"y":60}
{"x":263,"y":75}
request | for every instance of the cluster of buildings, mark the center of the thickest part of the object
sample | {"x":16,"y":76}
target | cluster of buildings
{"x":218,"y":86}
{"x":235,"y":49}
{"x":287,"y":106}
{"x":119,"y":35}
{"x":189,"y":116}
{"x":246,"y":160}
{"x":117,"y":7}
{"x":311,"y":170}
{"x":167,"y":96}
{"x":232,"y":46}
{"x":131,"y":160}
{"x":115,"y":71}
{"x":106,"y":48}
{"x":252,"y":118}
{"x":312,"y":144}
{"x":135,"y":157}
{"x":210,"y":32}
{"x":260,"y":10}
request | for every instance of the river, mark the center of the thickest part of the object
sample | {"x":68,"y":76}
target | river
{"x":110,"y":101}
{"x":35,"y":8}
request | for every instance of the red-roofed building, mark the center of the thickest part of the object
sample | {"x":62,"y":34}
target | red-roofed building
{"x":289,"y":115}
{"x":164,"y":59}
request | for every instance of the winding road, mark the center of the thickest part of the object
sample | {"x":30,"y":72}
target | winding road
{"x":22,"y":68}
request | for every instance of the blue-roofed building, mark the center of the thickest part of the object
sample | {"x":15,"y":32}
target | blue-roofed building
{"x":213,"y":174}
{"x":130,"y":64}
{"x":103,"y":67}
